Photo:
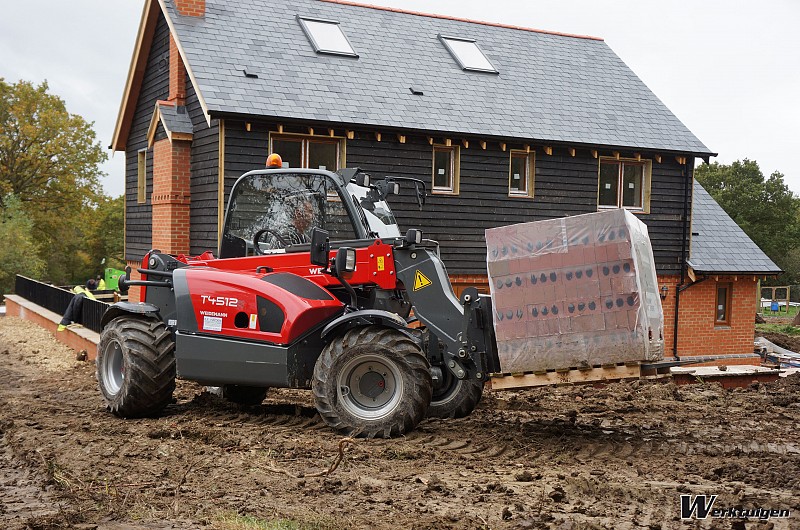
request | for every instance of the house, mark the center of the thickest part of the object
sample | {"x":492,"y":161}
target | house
{"x":504,"y":124}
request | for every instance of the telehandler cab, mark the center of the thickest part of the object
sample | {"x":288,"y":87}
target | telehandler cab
{"x":313,"y":287}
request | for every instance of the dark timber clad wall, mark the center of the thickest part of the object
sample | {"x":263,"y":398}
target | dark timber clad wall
{"x":155,"y":86}
{"x":205,"y":177}
{"x":564,"y":185}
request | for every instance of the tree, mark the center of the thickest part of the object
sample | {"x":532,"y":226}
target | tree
{"x":49,"y":161}
{"x":765,"y":208}
{"x":48,"y":157}
{"x":18,"y":248}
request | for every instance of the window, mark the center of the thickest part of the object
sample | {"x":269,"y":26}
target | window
{"x":141,"y":161}
{"x":723,"y":313}
{"x":624,"y":184}
{"x":445,"y":169}
{"x":468,"y":55}
{"x":327,"y":36}
{"x":308,"y":152}
{"x":520,"y":178}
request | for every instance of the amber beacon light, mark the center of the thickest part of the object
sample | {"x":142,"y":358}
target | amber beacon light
{"x":274,"y":161}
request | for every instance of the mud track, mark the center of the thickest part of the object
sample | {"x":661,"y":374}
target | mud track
{"x":574,"y":457}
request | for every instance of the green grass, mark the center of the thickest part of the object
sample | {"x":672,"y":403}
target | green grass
{"x":782,"y":313}
{"x":786,"y":329}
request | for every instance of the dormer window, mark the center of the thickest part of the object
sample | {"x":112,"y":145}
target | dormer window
{"x":326,"y":36}
{"x":468,"y":55}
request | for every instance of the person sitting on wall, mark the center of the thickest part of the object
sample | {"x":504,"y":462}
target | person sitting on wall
{"x":101,"y":283}
{"x":73,"y":312}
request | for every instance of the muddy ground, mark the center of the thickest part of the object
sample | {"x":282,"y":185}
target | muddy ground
{"x":572,"y":457}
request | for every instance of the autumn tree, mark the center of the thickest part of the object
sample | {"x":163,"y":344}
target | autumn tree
{"x":18,"y":247}
{"x":49,"y":161}
{"x":765,"y":208}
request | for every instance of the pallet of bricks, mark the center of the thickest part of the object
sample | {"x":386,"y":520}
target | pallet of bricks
{"x":575,"y":299}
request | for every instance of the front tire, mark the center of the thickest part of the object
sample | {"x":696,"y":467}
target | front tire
{"x":372,"y":382}
{"x":455,"y":398}
{"x":136,"y":366}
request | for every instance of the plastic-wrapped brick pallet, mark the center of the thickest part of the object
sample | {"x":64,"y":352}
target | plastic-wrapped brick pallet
{"x":574,"y":292}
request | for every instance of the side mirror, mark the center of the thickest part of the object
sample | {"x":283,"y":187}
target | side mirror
{"x":320,"y":247}
{"x":361,"y":179}
{"x":345,"y":261}
{"x":388,"y":187}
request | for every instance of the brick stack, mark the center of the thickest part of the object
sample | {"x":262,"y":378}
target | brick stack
{"x":574,"y":292}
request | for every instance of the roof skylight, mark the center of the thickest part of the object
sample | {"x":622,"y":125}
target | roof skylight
{"x":468,"y":54}
{"x":327,"y":36}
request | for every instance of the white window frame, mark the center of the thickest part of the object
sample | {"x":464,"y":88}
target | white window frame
{"x":317,"y":46}
{"x":445,"y":40}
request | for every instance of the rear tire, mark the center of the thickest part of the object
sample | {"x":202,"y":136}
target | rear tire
{"x":136,"y":366}
{"x":372,"y":382}
{"x":455,"y":398}
{"x":244,"y":395}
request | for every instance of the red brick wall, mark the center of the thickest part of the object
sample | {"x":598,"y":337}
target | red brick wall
{"x":177,"y":74}
{"x":171,"y":196}
{"x":135,"y":293}
{"x":191,"y":8}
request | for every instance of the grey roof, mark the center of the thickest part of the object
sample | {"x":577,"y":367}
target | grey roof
{"x":719,"y":245}
{"x":175,"y":119}
{"x":549,"y":87}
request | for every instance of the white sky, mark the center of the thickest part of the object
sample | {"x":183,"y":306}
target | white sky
{"x":729,"y":69}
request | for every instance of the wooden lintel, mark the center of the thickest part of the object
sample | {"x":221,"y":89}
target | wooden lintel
{"x":401,"y":138}
{"x":503,"y":146}
{"x":594,"y":153}
{"x":483,"y":145}
{"x":548,"y":150}
{"x":331,"y":132}
{"x":658,"y":158}
{"x":571,"y":151}
{"x":448,"y":142}
{"x":311,"y":131}
{"x":465,"y":143}
{"x":378,"y":136}
{"x":616,"y":154}
{"x":247,"y":126}
{"x":280,"y":129}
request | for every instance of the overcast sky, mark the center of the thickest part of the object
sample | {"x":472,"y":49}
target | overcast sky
{"x":729,"y":69}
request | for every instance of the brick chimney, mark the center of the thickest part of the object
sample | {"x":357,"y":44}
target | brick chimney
{"x":191,"y":8}
{"x":177,"y":74}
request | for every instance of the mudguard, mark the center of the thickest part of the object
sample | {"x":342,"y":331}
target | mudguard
{"x":365,"y":317}
{"x":129,"y":308}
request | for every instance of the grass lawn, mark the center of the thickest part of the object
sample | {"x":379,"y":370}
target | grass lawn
{"x":787,"y":329}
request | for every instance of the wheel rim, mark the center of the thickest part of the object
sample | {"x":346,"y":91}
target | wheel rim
{"x":113,"y":368}
{"x":370,"y":387}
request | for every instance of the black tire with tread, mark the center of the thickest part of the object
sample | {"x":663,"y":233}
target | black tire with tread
{"x":395,"y":347}
{"x":244,"y":395}
{"x":148,"y":353}
{"x":457,"y":399}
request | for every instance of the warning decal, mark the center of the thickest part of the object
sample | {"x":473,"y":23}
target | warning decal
{"x":381,"y":263}
{"x":420,"y":281}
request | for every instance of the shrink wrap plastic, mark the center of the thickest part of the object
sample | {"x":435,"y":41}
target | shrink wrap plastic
{"x":574,"y":292}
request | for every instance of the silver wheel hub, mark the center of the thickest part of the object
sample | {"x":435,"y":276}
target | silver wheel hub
{"x":113,"y":368}
{"x":370,"y":387}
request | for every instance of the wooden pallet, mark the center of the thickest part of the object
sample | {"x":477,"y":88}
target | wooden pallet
{"x":594,"y":374}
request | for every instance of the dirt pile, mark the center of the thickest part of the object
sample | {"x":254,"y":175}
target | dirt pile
{"x":572,"y":457}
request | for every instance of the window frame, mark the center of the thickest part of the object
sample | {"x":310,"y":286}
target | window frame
{"x":455,"y":170}
{"x":647,"y":172}
{"x":315,"y":44}
{"x":530,"y":170}
{"x":141,"y":176}
{"x":445,"y":38}
{"x":726,"y":322}
{"x":305,"y":140}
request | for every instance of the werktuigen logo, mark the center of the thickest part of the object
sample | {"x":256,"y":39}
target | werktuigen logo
{"x":702,"y":507}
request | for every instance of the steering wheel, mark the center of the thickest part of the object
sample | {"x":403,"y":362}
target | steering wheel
{"x":257,"y":237}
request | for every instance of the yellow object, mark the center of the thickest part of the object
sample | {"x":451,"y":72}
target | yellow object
{"x":274,"y":161}
{"x":78,"y":289}
{"x":61,"y":327}
{"x":421,"y":281}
